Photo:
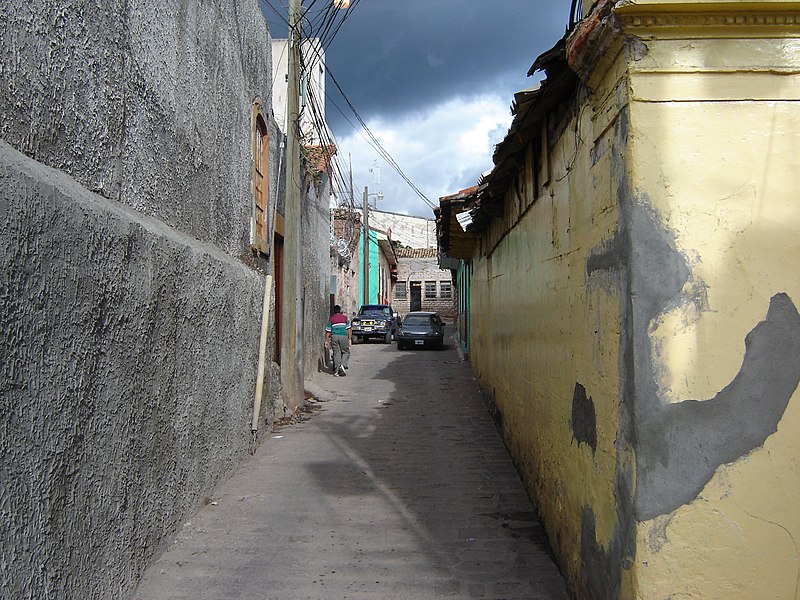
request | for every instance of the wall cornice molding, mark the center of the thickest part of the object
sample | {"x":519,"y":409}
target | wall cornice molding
{"x":735,"y":17}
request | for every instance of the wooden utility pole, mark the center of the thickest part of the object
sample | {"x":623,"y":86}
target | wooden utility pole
{"x":365,"y":246}
{"x":291,"y":361}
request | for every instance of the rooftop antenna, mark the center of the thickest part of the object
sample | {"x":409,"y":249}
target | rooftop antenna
{"x":376,"y":181}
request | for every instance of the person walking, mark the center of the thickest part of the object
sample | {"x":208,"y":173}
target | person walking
{"x":339,"y":336}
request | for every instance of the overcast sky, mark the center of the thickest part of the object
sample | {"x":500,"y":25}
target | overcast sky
{"x":434,"y":81}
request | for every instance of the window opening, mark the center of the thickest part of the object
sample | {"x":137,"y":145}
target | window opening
{"x":430,"y":290}
{"x":260,"y":134}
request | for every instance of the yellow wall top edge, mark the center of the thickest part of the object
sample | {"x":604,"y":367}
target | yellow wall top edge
{"x":709,"y":6}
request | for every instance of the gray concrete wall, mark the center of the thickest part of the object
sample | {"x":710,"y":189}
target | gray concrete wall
{"x":129,"y":353}
{"x":130,"y":327}
{"x":145,"y":103}
{"x":316,"y":269}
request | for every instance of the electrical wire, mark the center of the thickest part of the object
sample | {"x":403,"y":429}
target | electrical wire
{"x":377,"y":145}
{"x":276,"y":12}
{"x":323,"y":26}
{"x":373,"y":141}
{"x":314,"y":113}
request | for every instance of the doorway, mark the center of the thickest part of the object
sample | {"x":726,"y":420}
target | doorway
{"x":277,"y":269}
{"x":416,"y":296}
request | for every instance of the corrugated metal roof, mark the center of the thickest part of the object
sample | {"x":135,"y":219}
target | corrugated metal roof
{"x":454,"y":240}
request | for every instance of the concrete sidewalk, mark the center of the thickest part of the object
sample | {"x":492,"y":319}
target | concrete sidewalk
{"x":397,"y":486}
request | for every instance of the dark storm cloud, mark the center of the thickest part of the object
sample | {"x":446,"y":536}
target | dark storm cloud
{"x":395,"y":57}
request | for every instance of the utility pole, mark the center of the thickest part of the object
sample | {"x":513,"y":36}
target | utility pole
{"x":291,"y":359}
{"x":352,"y":192}
{"x":365,"y":246}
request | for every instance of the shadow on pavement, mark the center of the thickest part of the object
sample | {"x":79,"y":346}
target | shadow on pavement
{"x":432,"y":451}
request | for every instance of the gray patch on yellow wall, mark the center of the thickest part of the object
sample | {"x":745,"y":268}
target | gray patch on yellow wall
{"x":584,"y":419}
{"x":602,"y":564}
{"x":680,"y":445}
{"x":596,"y":579}
{"x":608,"y":271}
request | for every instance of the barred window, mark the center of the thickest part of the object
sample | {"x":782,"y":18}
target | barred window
{"x":430,"y":290}
{"x":445,"y":289}
{"x":400,"y":290}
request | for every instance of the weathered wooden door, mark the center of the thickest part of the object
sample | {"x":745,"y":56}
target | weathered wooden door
{"x":261,"y":185}
{"x":277,"y":270}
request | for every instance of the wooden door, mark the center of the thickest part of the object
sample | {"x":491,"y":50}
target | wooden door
{"x":277,"y":270}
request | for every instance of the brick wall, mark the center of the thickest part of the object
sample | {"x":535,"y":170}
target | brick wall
{"x":415,"y":269}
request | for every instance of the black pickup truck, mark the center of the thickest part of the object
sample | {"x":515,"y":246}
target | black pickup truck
{"x":375,"y":321}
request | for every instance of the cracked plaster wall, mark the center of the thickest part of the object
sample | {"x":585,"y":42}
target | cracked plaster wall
{"x":546,"y":345}
{"x":716,"y":332}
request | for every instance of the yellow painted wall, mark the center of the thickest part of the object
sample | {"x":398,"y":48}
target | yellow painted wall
{"x":695,"y":125}
{"x":716,"y":152}
{"x":539,"y":327}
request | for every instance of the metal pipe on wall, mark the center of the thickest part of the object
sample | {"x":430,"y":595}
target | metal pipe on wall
{"x":262,"y":355}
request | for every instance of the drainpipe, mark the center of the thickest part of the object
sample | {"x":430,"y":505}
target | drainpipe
{"x":262,"y":356}
{"x":262,"y":347}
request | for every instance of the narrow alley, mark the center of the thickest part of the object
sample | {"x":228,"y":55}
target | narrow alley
{"x":396,"y":485}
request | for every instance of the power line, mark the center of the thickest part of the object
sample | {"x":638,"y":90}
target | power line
{"x":372,"y":139}
{"x":377,"y":145}
{"x":324,"y":27}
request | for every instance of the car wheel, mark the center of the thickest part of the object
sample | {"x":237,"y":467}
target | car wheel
{"x":387,"y":339}
{"x":400,"y":346}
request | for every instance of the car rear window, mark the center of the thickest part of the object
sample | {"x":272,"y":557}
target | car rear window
{"x":417,"y":320}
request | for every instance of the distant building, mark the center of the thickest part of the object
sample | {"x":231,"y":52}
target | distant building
{"x":347,"y":262}
{"x":417,"y":282}
{"x":383,"y":267}
{"x":345,"y":259}
{"x":410,"y":231}
{"x":456,"y":248}
{"x":421,"y":284}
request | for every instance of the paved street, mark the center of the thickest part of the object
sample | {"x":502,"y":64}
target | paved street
{"x":396,"y":486}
